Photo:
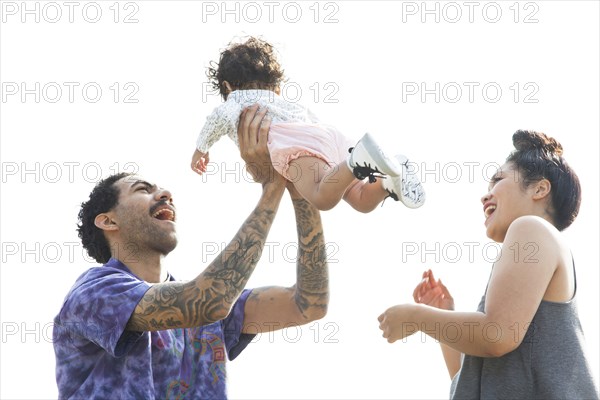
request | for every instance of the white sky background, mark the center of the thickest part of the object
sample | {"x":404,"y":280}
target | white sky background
{"x":359,"y":71}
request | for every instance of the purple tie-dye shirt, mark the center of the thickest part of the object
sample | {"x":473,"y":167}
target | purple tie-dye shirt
{"x":97,"y":358}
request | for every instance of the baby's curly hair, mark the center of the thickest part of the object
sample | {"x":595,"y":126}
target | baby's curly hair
{"x":538,"y":156}
{"x":104,"y":197}
{"x":252,"y":64}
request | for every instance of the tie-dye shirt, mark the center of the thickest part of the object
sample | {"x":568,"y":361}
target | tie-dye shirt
{"x":96,"y":358}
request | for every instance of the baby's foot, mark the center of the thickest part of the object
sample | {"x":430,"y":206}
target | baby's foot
{"x":367,"y":159}
{"x":407,"y":187}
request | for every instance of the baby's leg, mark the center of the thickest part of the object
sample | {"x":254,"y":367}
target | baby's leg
{"x":364,"y":196}
{"x":322,"y":185}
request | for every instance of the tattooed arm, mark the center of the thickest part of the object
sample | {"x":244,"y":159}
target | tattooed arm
{"x":210,"y":296}
{"x":272,"y":308}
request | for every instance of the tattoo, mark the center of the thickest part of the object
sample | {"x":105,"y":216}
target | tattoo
{"x":209,"y":297}
{"x":312,"y":286}
{"x":158,"y":309}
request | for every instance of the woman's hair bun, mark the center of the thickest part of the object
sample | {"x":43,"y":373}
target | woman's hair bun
{"x":531,"y":140}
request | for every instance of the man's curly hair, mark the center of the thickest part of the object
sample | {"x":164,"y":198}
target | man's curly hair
{"x":252,"y":64}
{"x":104,"y":197}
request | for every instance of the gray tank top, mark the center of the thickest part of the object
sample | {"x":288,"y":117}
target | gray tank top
{"x":550,"y":362}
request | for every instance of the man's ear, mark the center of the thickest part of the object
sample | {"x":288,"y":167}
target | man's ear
{"x":105,"y":222}
{"x":228,"y":87}
{"x":542,"y":189}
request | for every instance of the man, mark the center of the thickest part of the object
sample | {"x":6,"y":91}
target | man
{"x":129,"y":330}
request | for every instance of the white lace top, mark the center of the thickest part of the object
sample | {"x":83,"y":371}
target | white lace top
{"x":224,"y":119}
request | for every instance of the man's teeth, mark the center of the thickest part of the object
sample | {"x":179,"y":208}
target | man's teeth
{"x":489,"y":210}
{"x":168,"y":214}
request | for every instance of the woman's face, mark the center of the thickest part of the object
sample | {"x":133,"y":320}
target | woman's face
{"x":505,"y":201}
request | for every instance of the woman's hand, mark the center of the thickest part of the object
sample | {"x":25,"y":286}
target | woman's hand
{"x":397,"y":322}
{"x":433,"y":293}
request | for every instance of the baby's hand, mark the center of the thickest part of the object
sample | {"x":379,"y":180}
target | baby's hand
{"x":199,"y":162}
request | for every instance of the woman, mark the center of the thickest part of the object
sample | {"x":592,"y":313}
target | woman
{"x":525,"y":340}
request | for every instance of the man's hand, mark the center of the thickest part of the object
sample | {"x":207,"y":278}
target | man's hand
{"x":253,"y":130}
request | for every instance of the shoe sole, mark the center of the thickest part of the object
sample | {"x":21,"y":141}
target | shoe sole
{"x":407,"y":180}
{"x":413,"y":201}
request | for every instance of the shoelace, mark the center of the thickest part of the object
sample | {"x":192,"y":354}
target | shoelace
{"x":391,"y":194}
{"x":366,"y":171}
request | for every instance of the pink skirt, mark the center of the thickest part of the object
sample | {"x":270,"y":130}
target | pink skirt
{"x":291,"y":140}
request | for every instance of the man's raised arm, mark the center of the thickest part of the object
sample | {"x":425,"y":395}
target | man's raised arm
{"x":275,"y":307}
{"x":209,"y":297}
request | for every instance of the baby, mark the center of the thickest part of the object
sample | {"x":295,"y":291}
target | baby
{"x":323,"y":164}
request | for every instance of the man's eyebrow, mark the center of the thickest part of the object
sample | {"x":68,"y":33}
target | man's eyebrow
{"x":140,"y":182}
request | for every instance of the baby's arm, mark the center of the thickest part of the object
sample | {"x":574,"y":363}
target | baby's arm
{"x":218,"y":124}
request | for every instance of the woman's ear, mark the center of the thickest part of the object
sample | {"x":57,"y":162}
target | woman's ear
{"x":228,"y":87}
{"x":105,"y":222}
{"x":542,"y":189}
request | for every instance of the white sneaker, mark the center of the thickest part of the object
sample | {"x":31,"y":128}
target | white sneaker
{"x":367,"y":159}
{"x":406,"y":188}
